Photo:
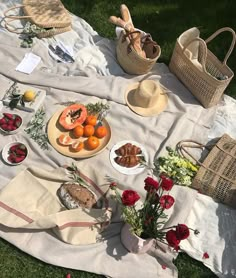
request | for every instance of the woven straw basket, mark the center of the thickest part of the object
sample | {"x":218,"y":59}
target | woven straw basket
{"x":199,"y":69}
{"x":216,"y":176}
{"x":131,"y":61}
{"x":50,"y":15}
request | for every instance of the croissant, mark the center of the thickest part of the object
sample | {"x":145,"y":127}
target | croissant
{"x":128,"y":149}
{"x":127,"y":161}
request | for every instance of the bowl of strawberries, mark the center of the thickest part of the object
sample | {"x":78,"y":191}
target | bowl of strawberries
{"x":10,"y":123}
{"x":14,"y":153}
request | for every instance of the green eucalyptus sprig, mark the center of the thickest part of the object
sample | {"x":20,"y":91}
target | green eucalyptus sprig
{"x":36,"y":129}
{"x":99,"y":109}
{"x":75,"y":176}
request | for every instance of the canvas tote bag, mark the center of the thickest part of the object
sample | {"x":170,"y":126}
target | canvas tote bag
{"x":30,"y":201}
{"x":49,"y":15}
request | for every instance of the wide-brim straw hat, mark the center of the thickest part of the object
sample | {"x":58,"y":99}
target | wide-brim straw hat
{"x":146,"y":98}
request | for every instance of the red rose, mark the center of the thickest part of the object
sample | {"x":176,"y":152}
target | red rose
{"x":129,"y":197}
{"x":172,"y":239}
{"x":151,"y":184}
{"x":166,"y":183}
{"x":182,"y":231}
{"x":166,"y":201}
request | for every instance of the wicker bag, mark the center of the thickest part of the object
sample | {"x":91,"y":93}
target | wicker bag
{"x":49,"y":15}
{"x":199,"y":69}
{"x":130,"y":60}
{"x":216,"y":176}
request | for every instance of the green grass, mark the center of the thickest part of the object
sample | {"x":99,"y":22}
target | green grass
{"x":165,"y":20}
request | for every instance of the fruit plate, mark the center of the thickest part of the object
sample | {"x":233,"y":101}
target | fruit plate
{"x":54,"y":130}
{"x":125,"y":170}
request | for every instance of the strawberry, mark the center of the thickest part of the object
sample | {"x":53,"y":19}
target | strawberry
{"x":10,"y":122}
{"x":11,"y":158}
{"x":19,"y":158}
{"x":17,"y":122}
{"x":13,"y":148}
{"x":8,"y":116}
{"x":20,"y":152}
{"x":11,"y":127}
{"x":4,"y":126}
{"x":3,"y":121}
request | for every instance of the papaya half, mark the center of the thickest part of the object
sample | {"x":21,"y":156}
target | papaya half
{"x":73,"y":116}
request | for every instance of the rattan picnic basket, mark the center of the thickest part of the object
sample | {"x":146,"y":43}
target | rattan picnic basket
{"x":49,"y":15}
{"x":199,"y":69}
{"x":216,"y":176}
{"x":130,"y":60}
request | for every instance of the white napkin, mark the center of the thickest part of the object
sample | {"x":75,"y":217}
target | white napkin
{"x":29,"y":63}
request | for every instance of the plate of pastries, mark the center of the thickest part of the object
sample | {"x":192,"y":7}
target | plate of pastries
{"x":128,"y":157}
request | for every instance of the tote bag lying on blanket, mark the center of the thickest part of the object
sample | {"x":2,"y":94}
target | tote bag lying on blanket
{"x":30,"y":201}
{"x":50,"y":15}
{"x":216,"y":176}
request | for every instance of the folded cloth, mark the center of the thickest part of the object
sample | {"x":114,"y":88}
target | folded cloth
{"x":30,"y":201}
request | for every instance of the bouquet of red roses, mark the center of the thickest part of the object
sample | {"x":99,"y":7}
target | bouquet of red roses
{"x":148,"y":220}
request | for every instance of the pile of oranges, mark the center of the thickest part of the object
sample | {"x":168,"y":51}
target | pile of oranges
{"x":89,"y":130}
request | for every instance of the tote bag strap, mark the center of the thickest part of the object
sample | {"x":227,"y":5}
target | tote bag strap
{"x":232,"y":43}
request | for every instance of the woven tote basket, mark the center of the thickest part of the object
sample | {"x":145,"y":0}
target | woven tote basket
{"x":199,"y":69}
{"x":216,"y":176}
{"x":50,"y":15}
{"x":130,"y":60}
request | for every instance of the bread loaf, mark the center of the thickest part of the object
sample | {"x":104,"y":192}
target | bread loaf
{"x":74,"y":195}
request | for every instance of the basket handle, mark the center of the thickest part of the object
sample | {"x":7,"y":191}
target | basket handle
{"x":16,"y":16}
{"x":11,"y":18}
{"x":204,"y":55}
{"x":232,"y":43}
{"x":11,"y":28}
{"x":182,"y":145}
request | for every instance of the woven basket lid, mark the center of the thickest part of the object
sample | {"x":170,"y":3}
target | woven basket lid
{"x":47,"y":14}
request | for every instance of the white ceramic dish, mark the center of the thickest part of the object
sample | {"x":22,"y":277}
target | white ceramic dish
{"x":6,"y":152}
{"x":11,"y":131}
{"x":124,"y":170}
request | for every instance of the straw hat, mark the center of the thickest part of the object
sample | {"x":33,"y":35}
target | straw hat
{"x":146,"y":98}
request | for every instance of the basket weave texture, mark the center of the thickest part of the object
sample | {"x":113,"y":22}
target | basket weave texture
{"x":130,"y":60}
{"x":50,"y":15}
{"x":47,"y":14}
{"x":216,"y":176}
{"x":199,"y":69}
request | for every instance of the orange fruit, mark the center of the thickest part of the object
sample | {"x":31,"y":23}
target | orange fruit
{"x":101,"y":132}
{"x":65,"y":140}
{"x":77,"y":146}
{"x":88,"y":130}
{"x":91,"y":120}
{"x":92,"y":142}
{"x":78,"y":131}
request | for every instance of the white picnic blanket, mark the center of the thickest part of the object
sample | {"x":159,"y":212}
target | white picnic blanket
{"x":93,"y":77}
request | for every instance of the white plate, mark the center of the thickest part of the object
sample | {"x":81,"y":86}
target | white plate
{"x":124,"y":170}
{"x":5,"y":152}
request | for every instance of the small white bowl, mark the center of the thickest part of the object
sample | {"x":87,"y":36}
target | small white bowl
{"x":11,"y":131}
{"x":6,"y":152}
